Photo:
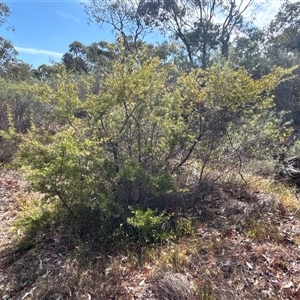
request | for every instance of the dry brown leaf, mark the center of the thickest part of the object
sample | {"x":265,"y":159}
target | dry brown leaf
{"x":287,"y":285}
{"x":249,"y":265}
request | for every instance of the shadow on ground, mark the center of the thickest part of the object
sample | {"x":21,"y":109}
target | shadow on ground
{"x":234,"y":228}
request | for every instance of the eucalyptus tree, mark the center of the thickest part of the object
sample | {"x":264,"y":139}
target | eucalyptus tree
{"x":284,"y":29}
{"x":283,"y":49}
{"x":7,"y":51}
{"x":4,"y":14}
{"x":203,"y":27}
{"x":249,"y":51}
{"x":98,"y":54}
{"x":75,"y":59}
{"x":47,"y":72}
{"x":8,"y":54}
{"x":20,"y":71}
{"x":121,"y":16}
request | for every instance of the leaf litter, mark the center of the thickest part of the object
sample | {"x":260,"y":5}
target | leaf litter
{"x":234,"y":255}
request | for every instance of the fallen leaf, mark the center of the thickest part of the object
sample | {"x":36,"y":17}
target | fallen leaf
{"x":249,"y":265}
{"x":288,"y":285}
{"x":142,"y":283}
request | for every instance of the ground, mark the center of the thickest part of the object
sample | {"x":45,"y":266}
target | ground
{"x":246,"y":245}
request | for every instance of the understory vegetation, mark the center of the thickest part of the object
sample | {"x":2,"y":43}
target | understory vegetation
{"x":140,"y":171}
{"x":133,"y":154}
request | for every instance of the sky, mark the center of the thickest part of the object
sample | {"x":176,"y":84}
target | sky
{"x":44,"y":29}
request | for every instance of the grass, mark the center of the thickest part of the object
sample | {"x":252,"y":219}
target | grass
{"x":286,"y":194}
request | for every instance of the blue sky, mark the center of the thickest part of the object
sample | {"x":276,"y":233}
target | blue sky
{"x":44,"y":29}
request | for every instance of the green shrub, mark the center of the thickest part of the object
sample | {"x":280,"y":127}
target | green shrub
{"x":18,"y":110}
{"x":151,"y":226}
{"x":134,"y":135}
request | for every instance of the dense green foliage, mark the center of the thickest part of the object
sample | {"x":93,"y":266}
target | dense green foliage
{"x":132,"y":141}
{"x":121,"y":132}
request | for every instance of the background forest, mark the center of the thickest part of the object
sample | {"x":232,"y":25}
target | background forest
{"x":134,"y":146}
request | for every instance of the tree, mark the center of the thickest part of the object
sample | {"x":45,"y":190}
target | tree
{"x":203,"y":27}
{"x":7,"y":55}
{"x":19,"y":71}
{"x":283,"y":49}
{"x":4,"y":14}
{"x":98,"y":54}
{"x":7,"y":51}
{"x":121,"y":16}
{"x":249,"y":51}
{"x":46,"y":72}
{"x":75,"y":59}
{"x":284,"y":29}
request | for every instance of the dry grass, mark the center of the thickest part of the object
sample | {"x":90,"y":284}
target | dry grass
{"x":175,"y":286}
{"x":287,"y":195}
{"x":245,"y":245}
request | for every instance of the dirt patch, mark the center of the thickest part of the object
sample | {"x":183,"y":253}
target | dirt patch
{"x":11,"y":185}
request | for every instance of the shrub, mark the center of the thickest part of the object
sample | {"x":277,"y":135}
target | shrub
{"x":151,"y":227}
{"x":134,"y":135}
{"x":18,"y":109}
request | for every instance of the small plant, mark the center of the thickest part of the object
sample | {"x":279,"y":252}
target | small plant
{"x":261,"y":231}
{"x":151,"y":226}
{"x":279,"y":191}
{"x":206,"y":293}
{"x":33,"y":211}
{"x":184,"y":226}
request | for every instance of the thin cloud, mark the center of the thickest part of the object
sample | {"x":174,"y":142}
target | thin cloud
{"x":39,"y":52}
{"x":266,"y":10}
{"x":266,"y":13}
{"x":68,"y":16}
